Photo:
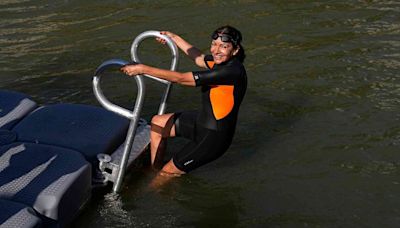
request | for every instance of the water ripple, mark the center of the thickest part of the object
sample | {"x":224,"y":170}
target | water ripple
{"x":372,"y":167}
{"x":322,"y":101}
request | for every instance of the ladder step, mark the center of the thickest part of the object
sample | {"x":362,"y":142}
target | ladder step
{"x":141,"y":141}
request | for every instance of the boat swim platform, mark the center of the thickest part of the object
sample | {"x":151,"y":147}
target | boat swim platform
{"x":53,"y":156}
{"x":48,"y":157}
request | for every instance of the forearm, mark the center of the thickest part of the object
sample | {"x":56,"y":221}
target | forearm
{"x":186,"y":47}
{"x":172,"y":76}
{"x":191,"y":51}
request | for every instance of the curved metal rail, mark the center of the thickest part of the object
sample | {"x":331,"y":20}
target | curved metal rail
{"x":132,"y":115}
{"x":99,"y":93}
{"x":174,"y":64}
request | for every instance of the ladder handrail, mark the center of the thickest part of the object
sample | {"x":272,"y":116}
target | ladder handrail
{"x":99,"y":93}
{"x":174,"y":64}
{"x":132,"y":115}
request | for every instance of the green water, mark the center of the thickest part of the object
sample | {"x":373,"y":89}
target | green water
{"x":317,"y":143}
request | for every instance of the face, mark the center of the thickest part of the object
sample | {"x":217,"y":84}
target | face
{"x":222,"y":51}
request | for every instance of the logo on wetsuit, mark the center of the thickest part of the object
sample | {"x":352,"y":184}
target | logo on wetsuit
{"x":188,"y":162}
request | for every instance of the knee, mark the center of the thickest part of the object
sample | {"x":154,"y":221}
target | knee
{"x":158,"y":124}
{"x":157,"y":120}
{"x":161,"y":120}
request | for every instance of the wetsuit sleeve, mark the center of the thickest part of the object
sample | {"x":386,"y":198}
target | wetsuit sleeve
{"x":227,"y":75}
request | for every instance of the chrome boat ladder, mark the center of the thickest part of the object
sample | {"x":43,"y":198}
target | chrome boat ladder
{"x":113,"y":167}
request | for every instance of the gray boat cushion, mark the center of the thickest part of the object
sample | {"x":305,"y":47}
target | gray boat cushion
{"x":54,"y":181}
{"x":17,"y":215}
{"x":87,"y":129}
{"x":13,"y":107}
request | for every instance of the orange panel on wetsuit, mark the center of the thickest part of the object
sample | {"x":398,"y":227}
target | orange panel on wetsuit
{"x":210,"y":64}
{"x":222,"y":100}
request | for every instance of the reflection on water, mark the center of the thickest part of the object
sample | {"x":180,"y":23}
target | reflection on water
{"x":318,"y":135}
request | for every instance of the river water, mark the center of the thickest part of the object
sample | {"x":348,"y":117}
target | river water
{"x":318,"y":138}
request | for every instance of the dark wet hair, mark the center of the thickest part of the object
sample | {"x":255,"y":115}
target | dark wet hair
{"x":236,"y":37}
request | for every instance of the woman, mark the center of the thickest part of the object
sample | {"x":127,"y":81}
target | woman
{"x":223,"y":86}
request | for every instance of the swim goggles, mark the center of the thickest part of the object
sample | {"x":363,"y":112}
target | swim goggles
{"x":224,"y":38}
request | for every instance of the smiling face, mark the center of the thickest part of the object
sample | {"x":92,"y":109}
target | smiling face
{"x":222,"y":51}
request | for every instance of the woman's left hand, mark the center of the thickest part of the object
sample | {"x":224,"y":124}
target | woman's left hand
{"x":166,"y":33}
{"x":132,"y":70}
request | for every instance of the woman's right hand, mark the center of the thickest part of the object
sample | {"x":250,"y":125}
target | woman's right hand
{"x":132,"y":69}
{"x":166,"y":33}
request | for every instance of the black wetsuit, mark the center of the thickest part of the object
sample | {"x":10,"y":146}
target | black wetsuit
{"x":212,"y":128}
